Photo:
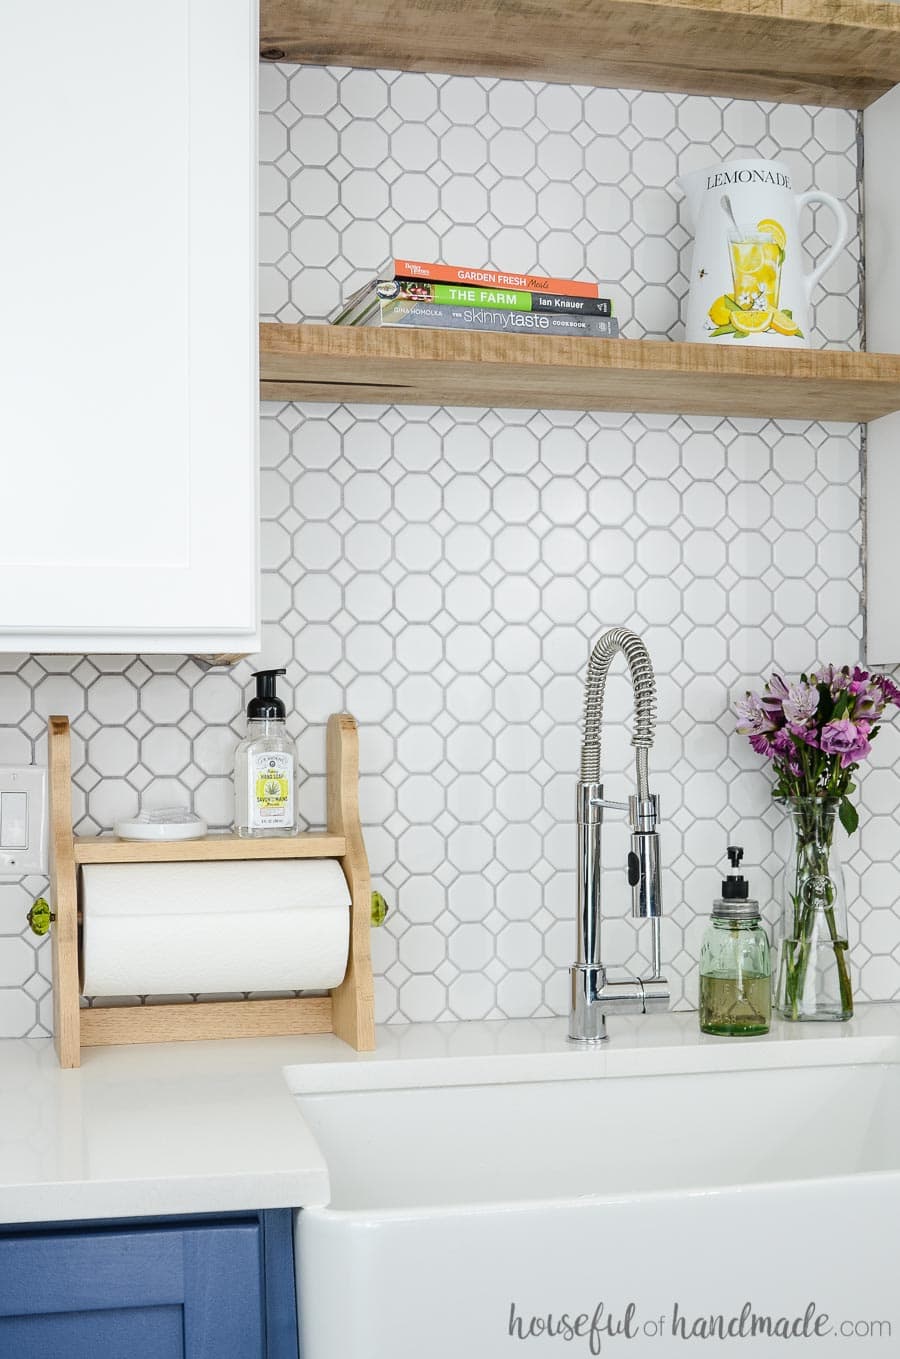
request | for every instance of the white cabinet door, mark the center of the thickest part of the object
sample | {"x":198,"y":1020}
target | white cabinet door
{"x":882,"y":219}
{"x":128,"y":349}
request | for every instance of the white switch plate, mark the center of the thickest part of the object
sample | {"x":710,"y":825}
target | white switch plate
{"x":23,"y":820}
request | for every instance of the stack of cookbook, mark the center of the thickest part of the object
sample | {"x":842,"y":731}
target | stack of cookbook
{"x":445,"y":297}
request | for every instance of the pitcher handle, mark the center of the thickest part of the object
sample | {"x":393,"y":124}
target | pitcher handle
{"x":816,"y":196}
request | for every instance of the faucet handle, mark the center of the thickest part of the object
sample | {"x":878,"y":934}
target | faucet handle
{"x":634,"y":996}
{"x":610,"y":806}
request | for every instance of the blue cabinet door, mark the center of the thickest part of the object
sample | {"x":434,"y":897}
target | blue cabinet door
{"x":169,"y":1291}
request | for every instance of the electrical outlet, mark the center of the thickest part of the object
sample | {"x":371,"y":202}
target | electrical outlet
{"x":23,"y":820}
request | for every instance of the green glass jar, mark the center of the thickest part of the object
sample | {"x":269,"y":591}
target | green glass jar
{"x":735,"y":964}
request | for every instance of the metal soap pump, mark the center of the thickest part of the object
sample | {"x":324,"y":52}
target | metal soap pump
{"x":735,"y":964}
{"x":265,"y":766}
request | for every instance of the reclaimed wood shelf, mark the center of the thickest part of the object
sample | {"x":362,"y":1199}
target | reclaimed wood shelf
{"x":463,"y":368}
{"x":108,"y":849}
{"x":844,"y":53}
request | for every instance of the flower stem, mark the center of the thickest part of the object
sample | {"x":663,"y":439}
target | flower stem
{"x":813,"y":902}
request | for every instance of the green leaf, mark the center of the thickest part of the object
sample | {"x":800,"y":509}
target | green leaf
{"x":787,"y":311}
{"x":826,"y":704}
{"x":842,"y":705}
{"x":723,"y":330}
{"x":731,"y":304}
{"x":849,"y":816}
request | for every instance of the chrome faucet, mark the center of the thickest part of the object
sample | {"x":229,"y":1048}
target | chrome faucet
{"x":593,"y":997}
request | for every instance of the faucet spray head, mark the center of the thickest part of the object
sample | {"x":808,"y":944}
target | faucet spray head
{"x":643,"y":858}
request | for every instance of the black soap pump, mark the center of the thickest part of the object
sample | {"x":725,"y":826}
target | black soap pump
{"x":265,"y":766}
{"x":735,"y":966}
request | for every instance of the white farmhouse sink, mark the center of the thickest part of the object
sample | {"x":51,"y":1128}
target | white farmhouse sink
{"x":735,"y":1173}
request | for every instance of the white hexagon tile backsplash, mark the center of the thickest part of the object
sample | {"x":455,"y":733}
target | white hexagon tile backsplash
{"x":443,"y":573}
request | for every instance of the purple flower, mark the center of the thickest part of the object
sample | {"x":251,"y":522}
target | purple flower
{"x":869,"y":702}
{"x":773,"y":700}
{"x":848,"y":739}
{"x":785,"y":749}
{"x":838,"y":737}
{"x":753,"y":716}
{"x":888,"y":688}
{"x":761,"y":744}
{"x":788,"y":725}
{"x":801,"y":704}
{"x":837,"y":680}
{"x":862,"y":748}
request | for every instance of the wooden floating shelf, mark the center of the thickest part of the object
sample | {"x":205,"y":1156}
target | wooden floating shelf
{"x":456,"y":368}
{"x":107,"y":849}
{"x":844,"y":53}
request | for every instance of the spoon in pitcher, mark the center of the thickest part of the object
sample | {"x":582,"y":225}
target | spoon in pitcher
{"x":727,"y":208}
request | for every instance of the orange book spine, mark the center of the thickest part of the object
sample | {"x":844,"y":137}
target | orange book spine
{"x":493,"y":278}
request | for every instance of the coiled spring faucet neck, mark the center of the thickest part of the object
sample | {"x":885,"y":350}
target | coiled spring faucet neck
{"x":593,"y":997}
{"x":644,"y":685}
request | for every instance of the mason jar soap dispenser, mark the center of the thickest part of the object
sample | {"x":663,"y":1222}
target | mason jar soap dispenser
{"x":265,"y":766}
{"x":735,"y":963}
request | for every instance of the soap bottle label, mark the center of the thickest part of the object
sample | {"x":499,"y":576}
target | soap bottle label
{"x":271,"y":790}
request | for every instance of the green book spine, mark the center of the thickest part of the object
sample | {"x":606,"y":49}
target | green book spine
{"x":459,"y":295}
{"x":501,"y":299}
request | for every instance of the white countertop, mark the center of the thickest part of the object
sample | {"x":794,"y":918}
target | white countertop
{"x":212,"y":1127}
{"x":150,"y":1130}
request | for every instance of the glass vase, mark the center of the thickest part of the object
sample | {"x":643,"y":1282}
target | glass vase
{"x":813,"y":978}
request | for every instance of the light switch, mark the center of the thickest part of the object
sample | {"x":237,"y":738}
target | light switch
{"x":23,"y":820}
{"x":14,"y":820}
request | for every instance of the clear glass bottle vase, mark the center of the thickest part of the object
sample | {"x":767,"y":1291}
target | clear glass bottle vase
{"x":813,"y":977}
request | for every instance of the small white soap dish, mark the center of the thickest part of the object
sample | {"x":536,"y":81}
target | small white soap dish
{"x":163,"y":823}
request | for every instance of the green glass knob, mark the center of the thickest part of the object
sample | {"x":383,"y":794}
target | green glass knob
{"x":379,"y":909}
{"x":40,"y":916}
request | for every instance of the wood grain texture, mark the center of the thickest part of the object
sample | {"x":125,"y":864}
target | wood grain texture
{"x":844,"y":53}
{"x":354,"y":999}
{"x":458,"y":368}
{"x":63,"y":896}
{"x":205,"y":1019}
{"x":227,"y":658}
{"x":107,"y":849}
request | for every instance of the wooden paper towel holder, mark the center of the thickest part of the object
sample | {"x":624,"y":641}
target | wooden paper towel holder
{"x":347,"y":1011}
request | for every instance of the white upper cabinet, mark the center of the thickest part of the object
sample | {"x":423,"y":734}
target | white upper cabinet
{"x":882,"y":223}
{"x":128,"y":340}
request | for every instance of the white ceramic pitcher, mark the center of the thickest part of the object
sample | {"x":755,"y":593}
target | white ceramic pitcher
{"x":747,"y":280}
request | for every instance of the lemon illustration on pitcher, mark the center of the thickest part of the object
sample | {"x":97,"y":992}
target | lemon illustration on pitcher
{"x":756,"y":255}
{"x":748,"y":285}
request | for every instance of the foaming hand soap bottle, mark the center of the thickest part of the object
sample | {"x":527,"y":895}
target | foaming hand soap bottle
{"x":735,"y":969}
{"x":265,"y":766}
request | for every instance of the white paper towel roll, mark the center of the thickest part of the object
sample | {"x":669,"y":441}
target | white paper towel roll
{"x":251,"y":925}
